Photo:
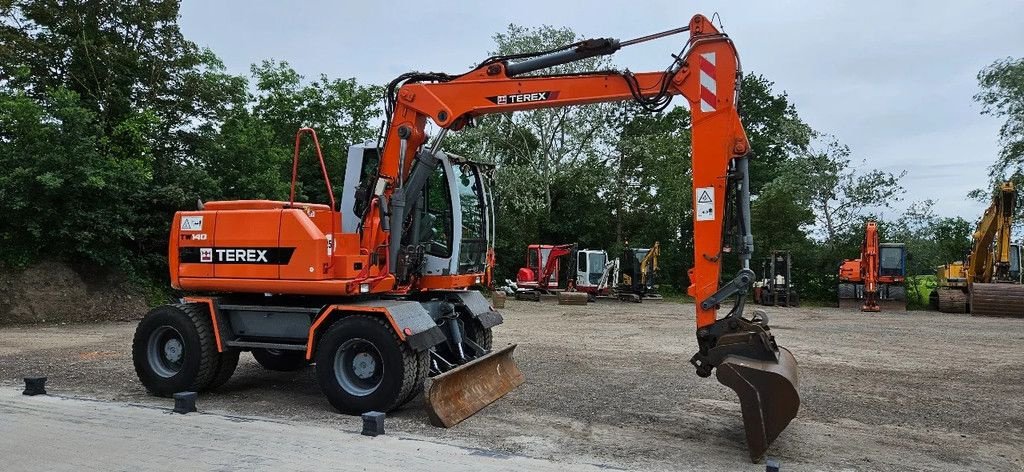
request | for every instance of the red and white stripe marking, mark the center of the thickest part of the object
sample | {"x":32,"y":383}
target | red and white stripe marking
{"x":708,"y":86}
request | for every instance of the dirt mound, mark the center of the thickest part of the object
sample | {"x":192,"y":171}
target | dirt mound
{"x":55,"y":292}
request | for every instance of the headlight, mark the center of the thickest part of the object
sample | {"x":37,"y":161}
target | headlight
{"x":364,"y":288}
{"x":478,"y":279}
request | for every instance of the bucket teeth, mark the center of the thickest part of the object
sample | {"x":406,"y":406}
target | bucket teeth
{"x":461,"y":392}
{"x":768,"y":396}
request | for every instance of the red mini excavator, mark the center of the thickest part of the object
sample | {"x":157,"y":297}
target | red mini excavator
{"x":540,"y":275}
{"x":375,"y":291}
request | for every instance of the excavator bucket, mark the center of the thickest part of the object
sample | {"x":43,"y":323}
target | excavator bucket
{"x":768,"y":396}
{"x":461,"y":392}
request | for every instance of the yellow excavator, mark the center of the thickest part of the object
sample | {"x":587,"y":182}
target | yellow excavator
{"x":989,"y":283}
{"x":638,"y":269}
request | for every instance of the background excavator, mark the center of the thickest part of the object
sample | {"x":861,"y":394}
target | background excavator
{"x":638,"y":271}
{"x":542,"y":271}
{"x":877,"y":277}
{"x":990,"y":282}
{"x":375,"y":291}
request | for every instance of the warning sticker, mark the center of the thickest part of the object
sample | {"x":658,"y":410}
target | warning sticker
{"x":192,"y":223}
{"x":705,"y":198}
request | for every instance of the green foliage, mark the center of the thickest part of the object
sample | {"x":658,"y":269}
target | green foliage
{"x":1002,"y":95}
{"x":110,"y":121}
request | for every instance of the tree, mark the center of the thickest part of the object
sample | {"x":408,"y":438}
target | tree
{"x":340,"y":110}
{"x":840,"y":195}
{"x":111,"y":120}
{"x":774,"y":129}
{"x":1002,"y":95}
{"x":551,"y":141}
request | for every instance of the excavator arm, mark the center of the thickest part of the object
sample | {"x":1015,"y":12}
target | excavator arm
{"x":649,"y":264}
{"x":706,"y":73}
{"x":546,"y":272}
{"x":869,"y":254}
{"x":990,"y":253}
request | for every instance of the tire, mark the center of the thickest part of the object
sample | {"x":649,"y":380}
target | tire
{"x":281,"y":361}
{"x":483,"y":337}
{"x":228,"y":363}
{"x":422,"y":365}
{"x":794,"y":299}
{"x":174,"y":350}
{"x":388,"y":368}
{"x":847,"y":291}
{"x":480,"y":335}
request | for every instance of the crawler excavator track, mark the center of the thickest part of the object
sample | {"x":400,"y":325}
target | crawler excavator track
{"x":997,"y":299}
{"x":952,"y":300}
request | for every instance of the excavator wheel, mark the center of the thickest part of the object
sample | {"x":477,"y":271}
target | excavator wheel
{"x":174,"y":350}
{"x":362,"y":366}
{"x":997,"y":299}
{"x":952,"y":300}
{"x":227,"y":364}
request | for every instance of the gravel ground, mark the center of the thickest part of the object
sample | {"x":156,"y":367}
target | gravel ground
{"x":609,"y":384}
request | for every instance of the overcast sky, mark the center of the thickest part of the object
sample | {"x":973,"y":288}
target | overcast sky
{"x":891,"y":79}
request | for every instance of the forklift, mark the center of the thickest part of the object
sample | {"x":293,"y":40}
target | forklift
{"x":776,"y":285}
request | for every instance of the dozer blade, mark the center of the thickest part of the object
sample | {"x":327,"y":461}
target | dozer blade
{"x":461,"y":392}
{"x":768,"y":396}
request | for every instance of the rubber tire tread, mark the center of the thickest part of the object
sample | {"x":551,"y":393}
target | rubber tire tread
{"x":196,"y":314}
{"x":409,"y":359}
{"x":422,"y":372}
{"x":226,"y":368}
{"x":482,"y":336}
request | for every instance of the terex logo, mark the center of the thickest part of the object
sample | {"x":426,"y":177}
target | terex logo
{"x":523,"y":98}
{"x":253,"y":256}
{"x":235,"y":255}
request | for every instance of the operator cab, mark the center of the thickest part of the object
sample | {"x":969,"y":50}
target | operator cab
{"x":892,"y":260}
{"x":590,"y":267}
{"x":458,"y":190}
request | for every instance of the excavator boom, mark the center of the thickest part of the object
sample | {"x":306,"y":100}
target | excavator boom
{"x":705,"y":72}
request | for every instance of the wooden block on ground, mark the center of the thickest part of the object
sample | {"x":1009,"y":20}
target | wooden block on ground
{"x":498,"y":300}
{"x":572,"y":298}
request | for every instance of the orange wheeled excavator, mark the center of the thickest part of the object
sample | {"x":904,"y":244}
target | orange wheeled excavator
{"x":375,"y":291}
{"x":877,"y":276}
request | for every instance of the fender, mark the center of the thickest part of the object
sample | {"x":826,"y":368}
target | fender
{"x":473,"y":304}
{"x":411,"y":322}
{"x":217,"y":321}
